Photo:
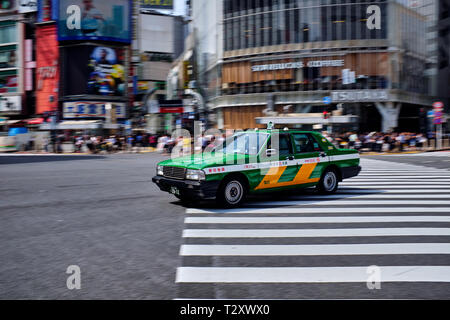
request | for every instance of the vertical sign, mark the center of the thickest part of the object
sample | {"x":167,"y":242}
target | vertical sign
{"x":438,"y":108}
{"x":47,"y":73}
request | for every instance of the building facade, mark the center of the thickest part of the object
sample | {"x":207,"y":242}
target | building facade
{"x":367,"y":58}
{"x":444,"y":54}
{"x":17,"y":59}
{"x":161,"y":39}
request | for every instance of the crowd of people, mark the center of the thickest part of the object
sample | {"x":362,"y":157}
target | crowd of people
{"x":108,"y":144}
{"x":378,"y":141}
{"x":363,"y":142}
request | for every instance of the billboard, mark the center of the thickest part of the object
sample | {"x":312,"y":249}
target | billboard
{"x":47,"y":10}
{"x":27,"y":6}
{"x":92,"y":109}
{"x":157,"y":4}
{"x":9,"y":82}
{"x":47,"y":69}
{"x":11,"y":104}
{"x":8,"y":5}
{"x":94,"y":70}
{"x":94,"y":20}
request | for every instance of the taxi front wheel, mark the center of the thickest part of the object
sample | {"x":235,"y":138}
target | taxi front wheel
{"x":328,"y":184}
{"x":232,"y":192}
{"x":184,"y":199}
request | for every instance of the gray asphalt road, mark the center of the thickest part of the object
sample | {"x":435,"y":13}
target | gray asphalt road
{"x":133,"y":242}
{"x":439,"y":160}
{"x":100,"y":213}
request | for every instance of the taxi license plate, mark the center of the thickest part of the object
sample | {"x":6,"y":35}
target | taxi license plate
{"x":175,"y":191}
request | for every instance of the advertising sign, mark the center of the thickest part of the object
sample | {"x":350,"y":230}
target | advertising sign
{"x":11,"y":104}
{"x":298,"y":65}
{"x":8,"y":5}
{"x":438,"y":117}
{"x":157,"y":4}
{"x":47,"y":10}
{"x":47,"y":69}
{"x":171,"y":106}
{"x":95,"y":20}
{"x":9,"y":81}
{"x":27,"y":6}
{"x":92,"y":109}
{"x":361,"y":95}
{"x":94,"y":70}
{"x":438,"y":107}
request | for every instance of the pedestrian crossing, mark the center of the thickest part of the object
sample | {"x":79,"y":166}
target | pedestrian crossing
{"x":307,"y":246}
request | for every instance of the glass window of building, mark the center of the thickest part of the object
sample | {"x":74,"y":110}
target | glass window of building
{"x":8,"y":33}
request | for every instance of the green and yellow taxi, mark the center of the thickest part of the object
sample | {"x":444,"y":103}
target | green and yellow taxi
{"x":258,"y":161}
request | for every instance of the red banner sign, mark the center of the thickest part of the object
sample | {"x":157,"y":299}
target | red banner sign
{"x":171,"y":110}
{"x":47,"y":71}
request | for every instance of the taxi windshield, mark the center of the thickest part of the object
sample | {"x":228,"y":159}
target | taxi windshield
{"x":244,"y":143}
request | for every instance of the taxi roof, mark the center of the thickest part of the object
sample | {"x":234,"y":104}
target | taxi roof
{"x":281,"y":130}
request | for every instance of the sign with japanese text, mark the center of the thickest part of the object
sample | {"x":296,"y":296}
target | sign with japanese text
{"x":92,"y":109}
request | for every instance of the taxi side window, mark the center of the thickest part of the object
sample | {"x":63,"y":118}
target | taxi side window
{"x":285,"y":147}
{"x":304,"y":143}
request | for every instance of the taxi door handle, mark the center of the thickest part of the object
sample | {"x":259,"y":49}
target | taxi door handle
{"x":323,"y":154}
{"x":291,"y":158}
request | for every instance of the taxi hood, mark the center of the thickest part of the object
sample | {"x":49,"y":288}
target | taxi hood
{"x":206,"y":160}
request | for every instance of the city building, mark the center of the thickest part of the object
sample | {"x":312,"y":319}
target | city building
{"x":83,"y":56}
{"x":260,"y":58}
{"x":161,"y":35}
{"x":17,"y":61}
{"x":444,"y":54}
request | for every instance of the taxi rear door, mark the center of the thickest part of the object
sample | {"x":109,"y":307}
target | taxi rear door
{"x":280,"y":169}
{"x":311,"y":159}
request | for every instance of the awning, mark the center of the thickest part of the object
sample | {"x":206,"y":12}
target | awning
{"x":72,"y":125}
{"x":9,"y":122}
{"x":35,"y":121}
{"x":307,"y":120}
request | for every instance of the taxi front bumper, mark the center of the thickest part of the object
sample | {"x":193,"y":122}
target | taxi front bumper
{"x":187,"y":188}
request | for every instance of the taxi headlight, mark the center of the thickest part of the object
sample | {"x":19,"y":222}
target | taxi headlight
{"x":159,"y":171}
{"x":196,"y":175}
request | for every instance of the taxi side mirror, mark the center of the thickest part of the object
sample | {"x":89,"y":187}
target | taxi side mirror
{"x":271,"y":152}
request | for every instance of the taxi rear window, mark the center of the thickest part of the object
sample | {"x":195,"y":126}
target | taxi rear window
{"x":304,"y":143}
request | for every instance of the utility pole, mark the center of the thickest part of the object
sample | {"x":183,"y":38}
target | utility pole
{"x":201,"y":105}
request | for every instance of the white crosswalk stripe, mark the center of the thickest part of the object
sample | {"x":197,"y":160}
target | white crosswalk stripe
{"x":311,"y":275}
{"x":398,"y":214}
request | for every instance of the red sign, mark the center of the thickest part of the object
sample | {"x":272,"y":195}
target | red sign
{"x":171,"y":110}
{"x":47,"y":71}
{"x":438,"y":106}
{"x":438,"y":117}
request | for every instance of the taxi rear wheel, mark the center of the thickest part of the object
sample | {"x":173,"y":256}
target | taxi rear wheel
{"x":232,"y":192}
{"x":329,"y":182}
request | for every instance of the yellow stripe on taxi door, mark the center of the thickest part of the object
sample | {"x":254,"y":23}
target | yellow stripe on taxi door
{"x":272,"y":177}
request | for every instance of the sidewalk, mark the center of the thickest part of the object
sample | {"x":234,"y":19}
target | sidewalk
{"x":152,"y":150}
{"x":396,"y":153}
{"x":42,"y":153}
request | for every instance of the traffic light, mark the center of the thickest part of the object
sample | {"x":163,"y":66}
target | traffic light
{"x":326,"y":115}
